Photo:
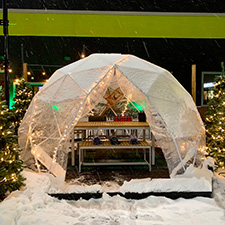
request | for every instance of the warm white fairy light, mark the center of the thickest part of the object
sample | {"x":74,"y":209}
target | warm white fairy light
{"x":13,"y":177}
{"x":33,"y":151}
{"x":54,"y":155}
{"x":125,"y":109}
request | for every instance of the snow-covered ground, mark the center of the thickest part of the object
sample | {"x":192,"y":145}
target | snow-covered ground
{"x":33,"y":206}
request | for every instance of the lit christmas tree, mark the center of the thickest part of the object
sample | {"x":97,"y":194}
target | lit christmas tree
{"x":22,"y":100}
{"x":10,"y":162}
{"x":215,"y":123}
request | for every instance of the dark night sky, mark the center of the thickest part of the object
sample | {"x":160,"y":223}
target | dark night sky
{"x":175,"y":55}
{"x":123,"y":5}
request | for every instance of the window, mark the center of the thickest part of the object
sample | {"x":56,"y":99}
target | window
{"x":208,"y":80}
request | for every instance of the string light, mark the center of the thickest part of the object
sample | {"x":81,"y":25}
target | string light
{"x":9,"y":155}
{"x":215,"y":124}
{"x":125,"y":109}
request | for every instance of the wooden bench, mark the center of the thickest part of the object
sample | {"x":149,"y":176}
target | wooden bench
{"x":84,"y":145}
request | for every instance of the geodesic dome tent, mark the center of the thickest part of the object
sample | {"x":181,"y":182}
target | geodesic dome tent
{"x":75,"y":89}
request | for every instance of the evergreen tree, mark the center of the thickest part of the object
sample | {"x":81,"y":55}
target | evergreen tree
{"x":10,"y":162}
{"x":22,"y":100}
{"x":215,"y":123}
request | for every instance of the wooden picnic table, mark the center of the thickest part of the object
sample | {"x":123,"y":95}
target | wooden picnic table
{"x":111,"y":125}
{"x":83,"y":127}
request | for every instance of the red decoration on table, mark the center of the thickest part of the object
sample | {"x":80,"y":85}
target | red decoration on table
{"x":122,"y":118}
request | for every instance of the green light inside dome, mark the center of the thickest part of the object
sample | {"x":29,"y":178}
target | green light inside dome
{"x":138,"y":106}
{"x":55,"y":107}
